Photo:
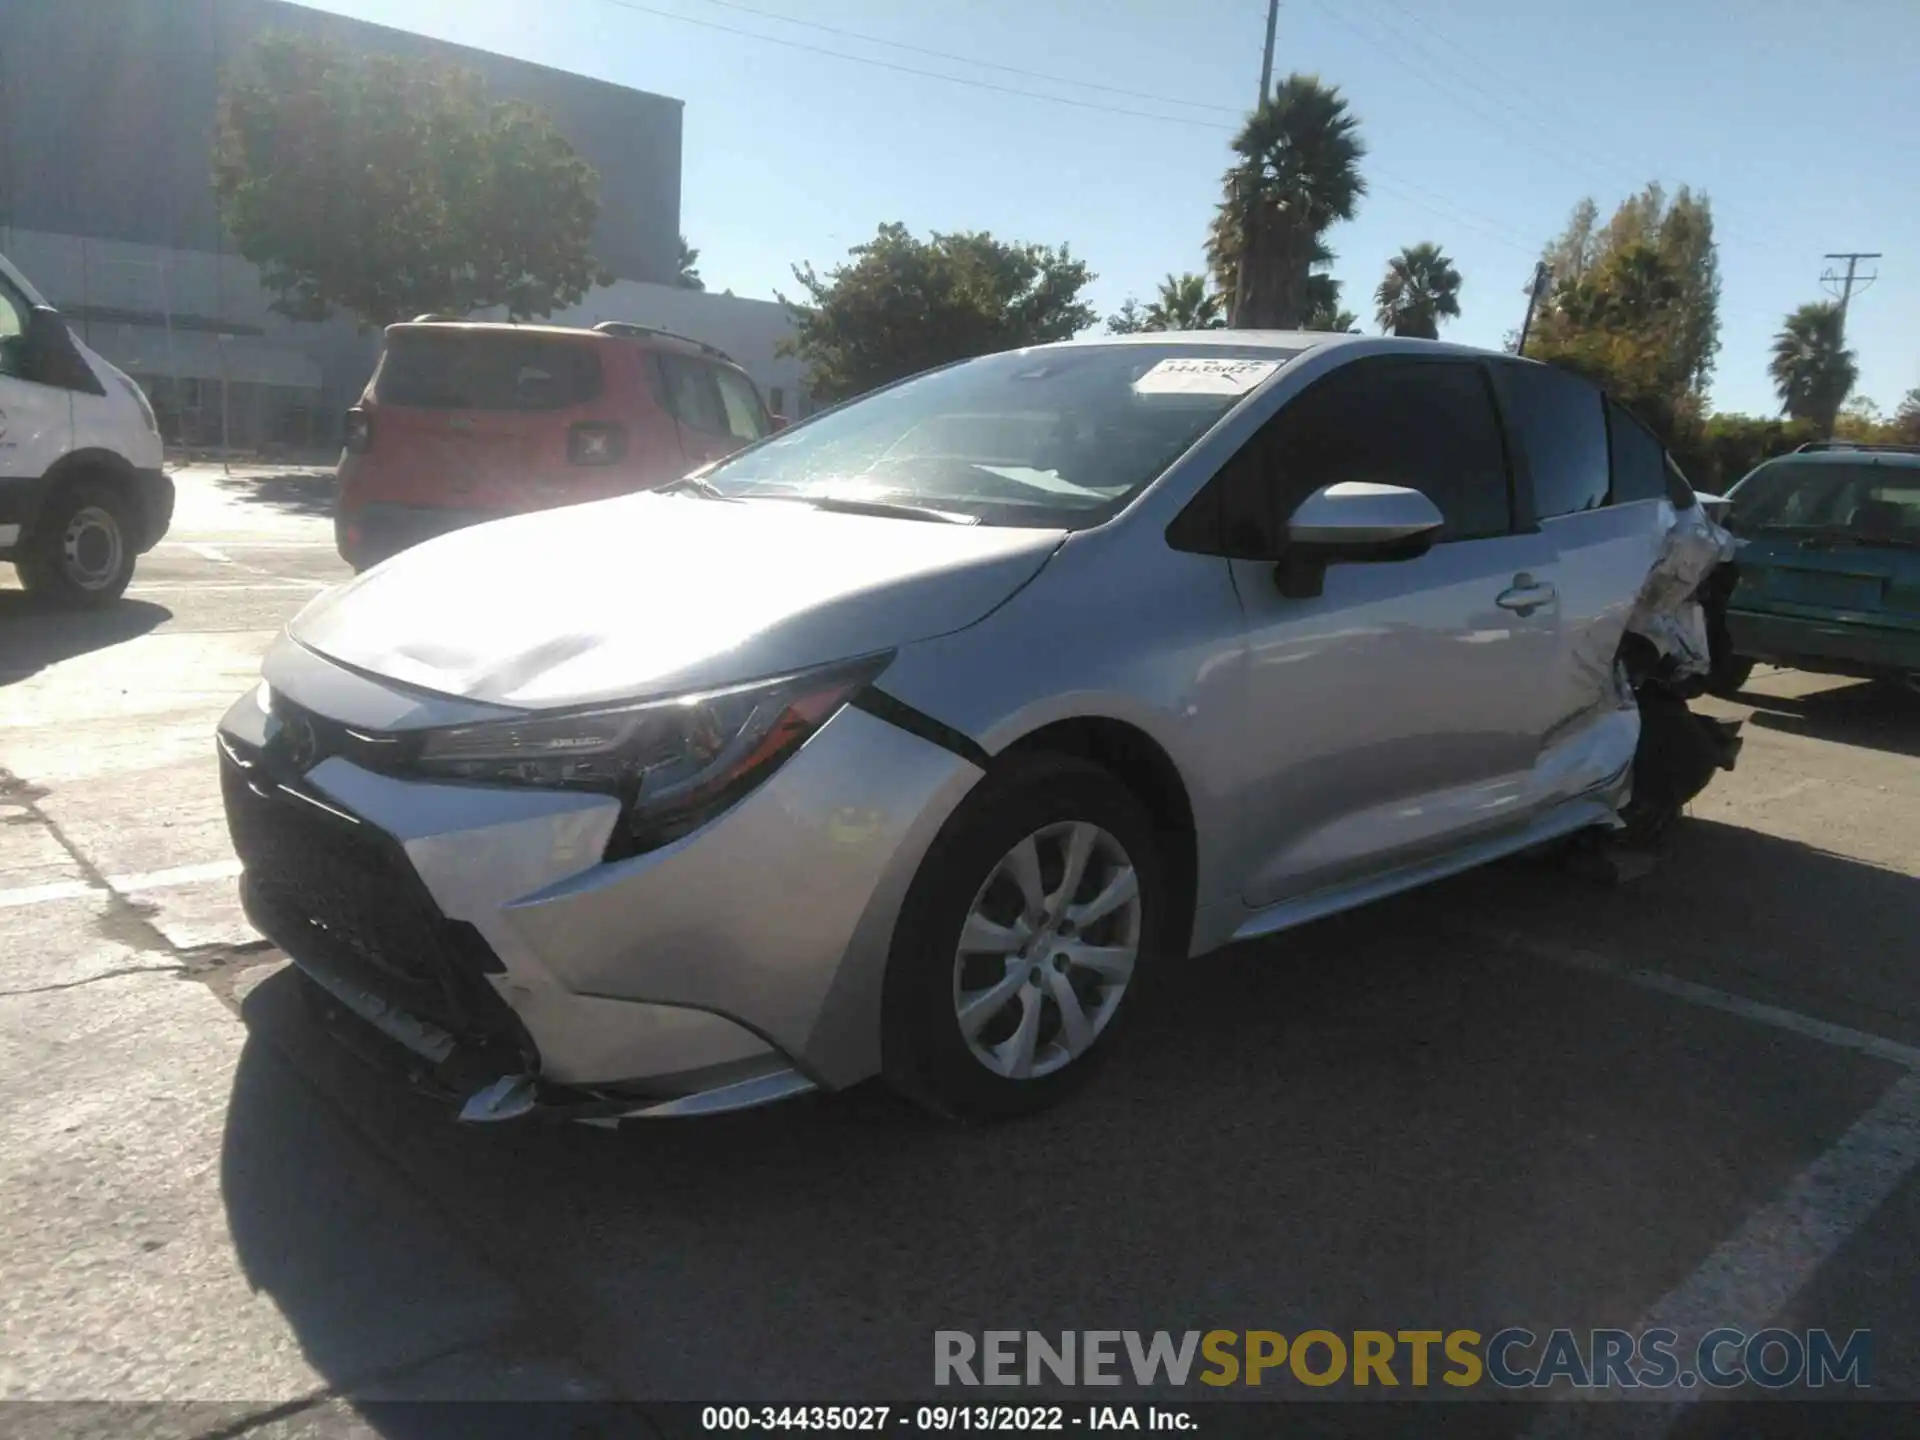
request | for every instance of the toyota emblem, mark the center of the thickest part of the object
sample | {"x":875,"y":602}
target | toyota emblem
{"x":298,"y":741}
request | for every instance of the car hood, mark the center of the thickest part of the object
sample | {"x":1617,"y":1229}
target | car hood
{"x":651,"y":595}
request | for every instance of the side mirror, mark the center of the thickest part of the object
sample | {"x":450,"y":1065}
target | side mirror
{"x":1355,"y":521}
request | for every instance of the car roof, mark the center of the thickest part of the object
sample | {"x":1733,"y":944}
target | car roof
{"x":1893,"y":459}
{"x":606,"y":332}
{"x":1292,"y":342}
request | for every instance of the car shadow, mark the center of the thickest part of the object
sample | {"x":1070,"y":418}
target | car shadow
{"x":34,"y":634}
{"x":1875,"y":716}
{"x":1390,"y":1112}
{"x":295,"y":492}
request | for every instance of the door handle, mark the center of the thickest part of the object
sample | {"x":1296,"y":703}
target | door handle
{"x":1526,"y":595}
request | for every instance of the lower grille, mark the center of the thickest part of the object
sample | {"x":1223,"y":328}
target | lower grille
{"x":335,"y":891}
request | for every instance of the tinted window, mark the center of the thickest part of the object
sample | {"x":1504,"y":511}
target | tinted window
{"x":1639,"y":461}
{"x":485,"y":370}
{"x":1428,"y":425}
{"x":1824,"y":495}
{"x":1563,"y":431}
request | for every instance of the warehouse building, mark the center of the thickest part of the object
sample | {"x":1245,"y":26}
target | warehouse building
{"x":107,"y":118}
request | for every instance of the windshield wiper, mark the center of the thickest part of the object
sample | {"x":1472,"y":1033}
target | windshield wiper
{"x":698,"y":484}
{"x":888,"y":509}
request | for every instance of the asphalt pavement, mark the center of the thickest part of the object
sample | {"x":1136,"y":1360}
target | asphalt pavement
{"x":1520,"y":1098}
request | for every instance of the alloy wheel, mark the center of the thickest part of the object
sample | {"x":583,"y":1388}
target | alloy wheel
{"x":1047,"y":951}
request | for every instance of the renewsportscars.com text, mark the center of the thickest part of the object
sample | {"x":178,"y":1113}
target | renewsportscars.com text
{"x":1510,"y":1359}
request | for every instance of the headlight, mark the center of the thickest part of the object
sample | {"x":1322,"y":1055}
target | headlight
{"x":673,"y":763}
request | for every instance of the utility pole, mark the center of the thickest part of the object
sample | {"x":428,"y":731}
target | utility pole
{"x":1846,"y":282}
{"x":1247,"y":199}
{"x":1266,"y":60}
{"x":1542,"y":272}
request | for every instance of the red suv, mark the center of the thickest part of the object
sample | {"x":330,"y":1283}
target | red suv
{"x":464,"y":422}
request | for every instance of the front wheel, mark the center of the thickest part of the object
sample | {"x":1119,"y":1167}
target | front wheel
{"x":1023,"y":940}
{"x":81,"y":550}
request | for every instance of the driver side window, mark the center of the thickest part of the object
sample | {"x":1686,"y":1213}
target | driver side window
{"x":1429,"y":425}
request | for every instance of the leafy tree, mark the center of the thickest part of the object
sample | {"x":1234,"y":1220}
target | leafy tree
{"x":1813,"y":371}
{"x":1619,"y":324}
{"x":1860,"y":420}
{"x":1324,"y":311}
{"x":1421,"y":289}
{"x":1725,"y":447}
{"x":902,"y":305}
{"x":1660,"y":255}
{"x":688,"y":276}
{"x":1129,"y":319}
{"x":1298,"y":173}
{"x":1185,"y":303}
{"x":388,"y":188}
{"x":1906,"y":419}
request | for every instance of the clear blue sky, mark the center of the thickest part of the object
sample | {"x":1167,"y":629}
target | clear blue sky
{"x":1486,"y":120}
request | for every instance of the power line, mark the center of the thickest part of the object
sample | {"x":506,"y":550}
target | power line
{"x":1620,"y":169}
{"x":901,"y":45}
{"x":913,"y":70}
{"x":1396,"y":186}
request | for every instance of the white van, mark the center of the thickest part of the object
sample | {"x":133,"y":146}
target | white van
{"x":81,"y":488}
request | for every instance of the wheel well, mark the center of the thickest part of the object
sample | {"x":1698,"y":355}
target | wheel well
{"x":101,"y":465}
{"x":1136,"y":759}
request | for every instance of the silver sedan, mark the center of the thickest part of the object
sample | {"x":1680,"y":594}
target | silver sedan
{"x":906,"y":741}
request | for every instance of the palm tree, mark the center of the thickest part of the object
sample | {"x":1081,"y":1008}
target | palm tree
{"x":1420,"y":290}
{"x":1324,"y":311}
{"x":1812,"y":369}
{"x":689,"y":274}
{"x":1297,"y":174}
{"x":1185,"y":303}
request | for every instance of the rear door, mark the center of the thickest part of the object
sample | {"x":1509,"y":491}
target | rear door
{"x":479,"y":419}
{"x":715,"y":406}
{"x":1596,"y":484}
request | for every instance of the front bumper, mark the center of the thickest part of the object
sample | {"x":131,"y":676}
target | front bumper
{"x":751,"y":949}
{"x":156,"y":491}
{"x":1825,"y":645}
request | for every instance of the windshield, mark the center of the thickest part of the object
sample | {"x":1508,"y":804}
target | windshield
{"x":1035,"y":437}
{"x":1866,"y":502}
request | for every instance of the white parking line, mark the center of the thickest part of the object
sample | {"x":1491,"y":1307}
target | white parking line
{"x":209,"y":552}
{"x":242,"y":542}
{"x":284,"y":582}
{"x":41,"y":894}
{"x":1751,"y":1278}
{"x":133,"y":884}
{"x":1572,"y":957}
{"x":1749,"y":1281}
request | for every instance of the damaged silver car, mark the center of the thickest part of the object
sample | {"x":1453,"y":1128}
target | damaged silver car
{"x":906,"y":741}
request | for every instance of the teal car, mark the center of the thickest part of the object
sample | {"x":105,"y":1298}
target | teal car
{"x":1828,"y":579}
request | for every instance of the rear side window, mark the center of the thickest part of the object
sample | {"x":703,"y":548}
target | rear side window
{"x":1428,"y":425}
{"x":1563,"y":430}
{"x":1639,"y":460}
{"x":711,"y":398}
{"x":485,"y":370}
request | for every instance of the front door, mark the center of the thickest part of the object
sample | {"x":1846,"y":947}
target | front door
{"x":1399,"y":712}
{"x":36,"y":420}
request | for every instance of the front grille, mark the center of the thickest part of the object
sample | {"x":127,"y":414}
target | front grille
{"x":335,"y":891}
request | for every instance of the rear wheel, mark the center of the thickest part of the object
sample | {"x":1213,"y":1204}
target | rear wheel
{"x":1022,"y":942}
{"x":81,"y":551}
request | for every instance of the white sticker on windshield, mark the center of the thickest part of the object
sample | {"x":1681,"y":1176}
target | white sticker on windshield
{"x":1204,"y":375}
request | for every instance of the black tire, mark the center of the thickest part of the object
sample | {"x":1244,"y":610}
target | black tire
{"x":924,"y":1053}
{"x":81,"y":550}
